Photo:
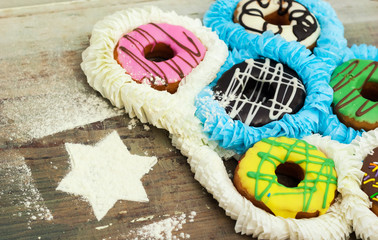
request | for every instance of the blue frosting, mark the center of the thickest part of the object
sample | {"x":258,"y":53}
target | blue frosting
{"x":219,"y":18}
{"x":331,"y":41}
{"x":235,"y":135}
{"x":363,"y":51}
{"x":330,"y":124}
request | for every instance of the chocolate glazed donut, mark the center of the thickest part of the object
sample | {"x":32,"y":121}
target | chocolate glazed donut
{"x":369,"y":182}
{"x":257,"y":92}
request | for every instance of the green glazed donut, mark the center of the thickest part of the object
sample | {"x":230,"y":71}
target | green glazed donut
{"x":355,"y":98}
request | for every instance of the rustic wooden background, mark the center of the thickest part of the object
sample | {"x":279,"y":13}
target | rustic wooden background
{"x":43,"y":91}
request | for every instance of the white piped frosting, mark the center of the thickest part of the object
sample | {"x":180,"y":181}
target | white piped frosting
{"x":175,"y":113}
{"x":210,"y":172}
{"x":358,"y":205}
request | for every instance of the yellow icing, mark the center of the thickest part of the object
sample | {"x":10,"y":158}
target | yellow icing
{"x":320,"y":176}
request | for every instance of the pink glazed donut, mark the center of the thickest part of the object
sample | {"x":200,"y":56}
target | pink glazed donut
{"x":160,"y":55}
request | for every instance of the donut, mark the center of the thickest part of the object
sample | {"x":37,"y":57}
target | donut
{"x":287,"y":177}
{"x":290,"y":19}
{"x":355,"y":98}
{"x":369,"y":183}
{"x":258,"y":91}
{"x":160,"y":55}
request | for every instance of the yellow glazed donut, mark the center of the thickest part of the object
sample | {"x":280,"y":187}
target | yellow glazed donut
{"x":262,"y":177}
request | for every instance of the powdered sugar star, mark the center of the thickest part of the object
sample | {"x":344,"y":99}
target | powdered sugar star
{"x":105,"y":173}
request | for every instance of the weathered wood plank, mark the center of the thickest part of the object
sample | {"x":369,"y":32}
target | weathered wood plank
{"x":27,"y":3}
{"x":360,"y":20}
{"x":41,"y":48}
{"x":171,"y":188}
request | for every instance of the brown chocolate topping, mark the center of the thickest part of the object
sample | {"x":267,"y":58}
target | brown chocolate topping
{"x":369,"y":181}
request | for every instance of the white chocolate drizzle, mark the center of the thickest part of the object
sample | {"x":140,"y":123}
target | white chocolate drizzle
{"x":268,"y":75}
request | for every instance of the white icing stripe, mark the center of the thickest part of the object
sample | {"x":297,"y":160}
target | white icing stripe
{"x":268,"y":75}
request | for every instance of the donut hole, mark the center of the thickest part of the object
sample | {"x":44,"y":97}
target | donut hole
{"x":158,"y":52}
{"x":289,"y":174}
{"x":370,"y":91}
{"x":277,"y":19}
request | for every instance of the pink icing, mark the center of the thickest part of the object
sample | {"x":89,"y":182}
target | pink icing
{"x":187,"y":49}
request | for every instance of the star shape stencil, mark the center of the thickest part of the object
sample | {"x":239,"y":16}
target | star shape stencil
{"x":105,"y":173}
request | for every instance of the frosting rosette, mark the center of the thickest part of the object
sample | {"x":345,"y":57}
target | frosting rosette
{"x":330,"y":124}
{"x":210,"y":171}
{"x":329,"y":45}
{"x":173,"y":112}
{"x":235,"y":135}
{"x":358,"y":205}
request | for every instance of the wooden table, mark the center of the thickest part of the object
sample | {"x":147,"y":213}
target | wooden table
{"x":45,"y":102}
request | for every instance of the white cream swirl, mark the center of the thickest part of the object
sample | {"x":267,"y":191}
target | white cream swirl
{"x":358,"y":205}
{"x":173,"y":112}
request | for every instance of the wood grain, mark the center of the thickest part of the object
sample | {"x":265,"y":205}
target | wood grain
{"x":26,"y":3}
{"x":41,"y":48}
{"x":360,"y":20}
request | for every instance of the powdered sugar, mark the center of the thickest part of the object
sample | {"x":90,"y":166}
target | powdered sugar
{"x":20,"y":191}
{"x":166,"y":229}
{"x":192,"y":215}
{"x":99,"y":173}
{"x":39,"y":116}
{"x":146,"y":127}
{"x":41,"y":101}
{"x":132,"y":124}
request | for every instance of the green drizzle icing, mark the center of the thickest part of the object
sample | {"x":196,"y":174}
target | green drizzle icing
{"x":375,"y":194}
{"x":309,"y":186}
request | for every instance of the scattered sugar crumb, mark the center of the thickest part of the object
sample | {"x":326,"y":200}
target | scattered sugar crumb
{"x":132,"y":124}
{"x":122,"y":213}
{"x":103,"y":227}
{"x":167,"y":229}
{"x":230,"y":174}
{"x":143,"y":218}
{"x":24,"y":195}
{"x":192,"y":215}
{"x":146,"y":127}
